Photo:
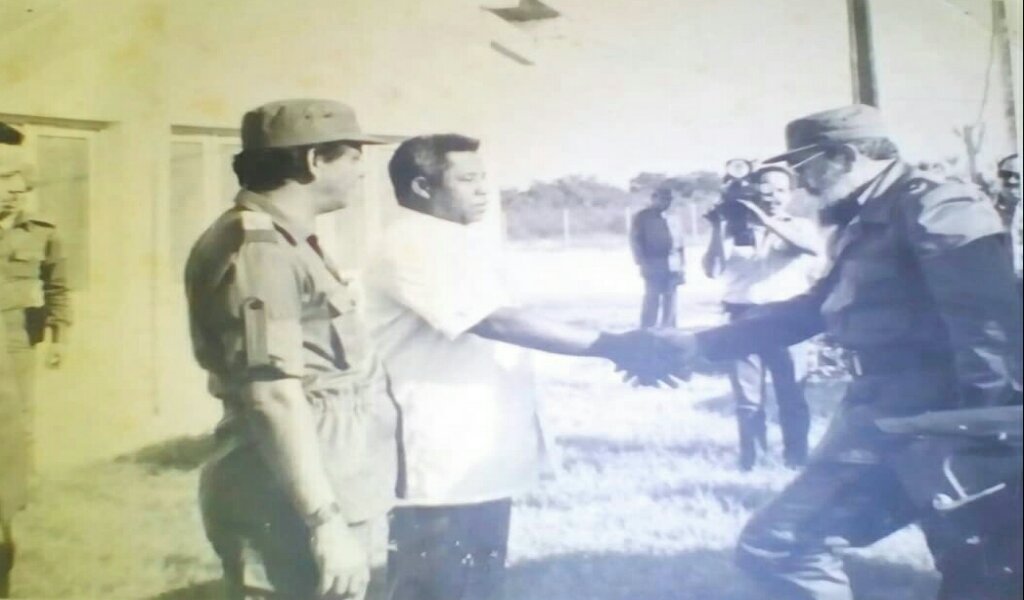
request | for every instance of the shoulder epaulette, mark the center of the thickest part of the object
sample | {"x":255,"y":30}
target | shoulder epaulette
{"x":257,"y":227}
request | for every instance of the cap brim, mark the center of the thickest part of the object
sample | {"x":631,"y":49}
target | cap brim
{"x":375,"y":139}
{"x":794,"y":156}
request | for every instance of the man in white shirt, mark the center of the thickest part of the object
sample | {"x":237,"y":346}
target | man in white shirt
{"x":471,"y":433}
{"x":781,"y":263}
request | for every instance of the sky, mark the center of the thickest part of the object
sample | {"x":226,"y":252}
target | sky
{"x":652,"y":85}
{"x":617,"y":86}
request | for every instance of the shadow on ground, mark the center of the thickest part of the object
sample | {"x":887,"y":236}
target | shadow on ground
{"x":184,"y":453}
{"x":214,"y":590}
{"x":596,"y":445}
{"x":700,"y":574}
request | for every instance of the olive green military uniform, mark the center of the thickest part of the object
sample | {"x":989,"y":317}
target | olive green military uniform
{"x":33,"y":298}
{"x":921,"y":292}
{"x":264,"y":303}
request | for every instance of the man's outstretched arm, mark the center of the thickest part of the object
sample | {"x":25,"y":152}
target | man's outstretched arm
{"x":521,"y":327}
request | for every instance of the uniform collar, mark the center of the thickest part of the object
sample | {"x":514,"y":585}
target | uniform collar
{"x":864,"y":201}
{"x":892,"y":174}
{"x":247,"y":200}
{"x":21,"y":219}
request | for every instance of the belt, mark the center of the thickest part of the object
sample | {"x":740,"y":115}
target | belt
{"x":890,"y":360}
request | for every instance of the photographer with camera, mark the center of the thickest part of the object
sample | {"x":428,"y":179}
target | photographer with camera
{"x":764,"y":254}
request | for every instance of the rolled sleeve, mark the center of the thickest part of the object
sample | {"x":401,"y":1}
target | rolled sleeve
{"x":452,"y":286}
{"x":266,"y":303}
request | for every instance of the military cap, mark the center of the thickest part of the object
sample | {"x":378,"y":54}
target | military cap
{"x":1010,"y":164}
{"x":301,"y":122}
{"x":806,"y":135}
{"x":662,"y":191}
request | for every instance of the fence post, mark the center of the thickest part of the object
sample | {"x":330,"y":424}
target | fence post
{"x":566,"y":236}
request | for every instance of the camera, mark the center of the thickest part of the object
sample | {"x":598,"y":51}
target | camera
{"x":737,"y":184}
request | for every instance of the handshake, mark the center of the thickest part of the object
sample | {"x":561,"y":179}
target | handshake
{"x":650,"y":357}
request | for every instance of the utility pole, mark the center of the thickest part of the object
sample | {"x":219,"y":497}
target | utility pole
{"x":862,"y":53}
{"x":1002,"y":42}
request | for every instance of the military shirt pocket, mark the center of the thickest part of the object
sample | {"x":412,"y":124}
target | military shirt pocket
{"x":24,"y":264}
{"x":346,"y":323}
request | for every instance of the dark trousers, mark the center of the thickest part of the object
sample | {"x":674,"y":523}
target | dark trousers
{"x":242,"y":505}
{"x":16,"y":413}
{"x":659,"y":297}
{"x":748,"y":377}
{"x":789,"y":545}
{"x":452,"y":552}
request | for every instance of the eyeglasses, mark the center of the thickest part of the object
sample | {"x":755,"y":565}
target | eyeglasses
{"x":804,"y":162}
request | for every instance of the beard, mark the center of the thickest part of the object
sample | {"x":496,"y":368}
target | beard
{"x":839,"y":190}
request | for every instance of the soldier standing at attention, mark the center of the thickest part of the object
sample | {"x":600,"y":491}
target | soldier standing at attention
{"x":920,"y":290}
{"x":33,"y":300}
{"x":307,"y":453}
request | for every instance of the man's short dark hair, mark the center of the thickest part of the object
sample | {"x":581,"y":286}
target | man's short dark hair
{"x":776,"y":168}
{"x":424,"y":156}
{"x":10,"y":135}
{"x":872,"y":148}
{"x":267,"y":169}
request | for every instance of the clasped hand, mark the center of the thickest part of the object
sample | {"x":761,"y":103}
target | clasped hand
{"x":652,"y":357}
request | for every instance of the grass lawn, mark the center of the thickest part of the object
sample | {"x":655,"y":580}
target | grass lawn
{"x":645,"y":501}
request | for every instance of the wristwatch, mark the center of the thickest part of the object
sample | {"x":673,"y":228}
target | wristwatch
{"x":322,"y":515}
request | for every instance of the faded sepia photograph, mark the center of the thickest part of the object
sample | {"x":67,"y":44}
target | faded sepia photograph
{"x":511,"y":299}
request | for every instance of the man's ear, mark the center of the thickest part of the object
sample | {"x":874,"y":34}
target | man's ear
{"x":421,"y":187}
{"x":847,"y":155}
{"x":313,"y":162}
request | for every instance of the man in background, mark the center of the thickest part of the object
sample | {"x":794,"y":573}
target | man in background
{"x":782,"y":262}
{"x":33,"y":302}
{"x":1008,"y":196}
{"x":1008,"y":203}
{"x":658,"y":251}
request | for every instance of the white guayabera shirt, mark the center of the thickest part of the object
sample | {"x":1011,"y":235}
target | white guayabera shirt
{"x":471,"y":427}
